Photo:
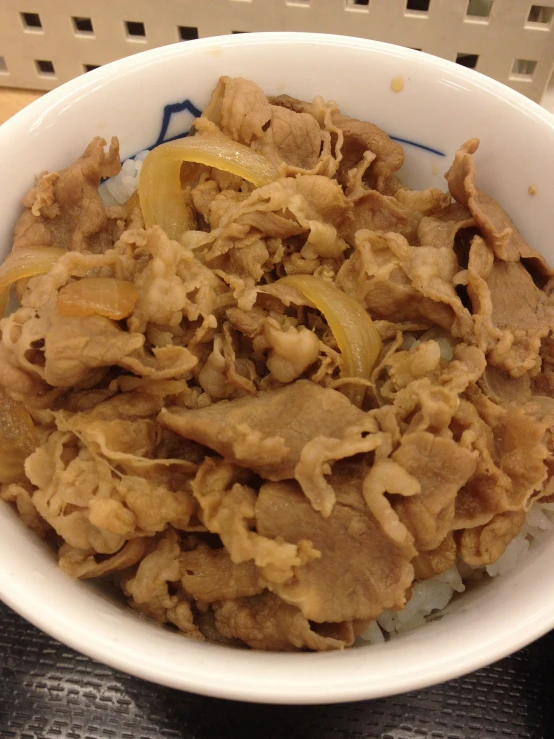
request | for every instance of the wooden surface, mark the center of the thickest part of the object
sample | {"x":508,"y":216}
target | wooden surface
{"x":12,"y":100}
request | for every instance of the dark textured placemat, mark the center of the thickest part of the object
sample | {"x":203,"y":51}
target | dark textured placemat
{"x":48,"y":690}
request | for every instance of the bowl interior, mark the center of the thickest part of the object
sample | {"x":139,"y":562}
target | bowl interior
{"x":154,"y":96}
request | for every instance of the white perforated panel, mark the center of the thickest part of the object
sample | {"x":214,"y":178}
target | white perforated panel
{"x":46,"y":42}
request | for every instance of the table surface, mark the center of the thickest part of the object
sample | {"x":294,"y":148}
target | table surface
{"x":49,"y":691}
{"x":12,"y":100}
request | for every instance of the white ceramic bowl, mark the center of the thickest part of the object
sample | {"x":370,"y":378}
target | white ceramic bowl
{"x":441,"y":106}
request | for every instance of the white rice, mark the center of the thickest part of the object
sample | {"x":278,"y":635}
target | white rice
{"x":433,"y":595}
{"x":540,"y":520}
{"x":445,"y":343}
{"x":117,"y":190}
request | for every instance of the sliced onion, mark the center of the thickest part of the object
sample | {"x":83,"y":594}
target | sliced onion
{"x":131,"y":204}
{"x":160,"y":193}
{"x":23,"y":263}
{"x":12,"y":461}
{"x":354,"y":331}
{"x":4,"y":300}
{"x":17,"y":438}
{"x":107,"y":296}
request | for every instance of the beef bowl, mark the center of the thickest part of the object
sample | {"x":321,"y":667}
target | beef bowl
{"x":277,"y":426}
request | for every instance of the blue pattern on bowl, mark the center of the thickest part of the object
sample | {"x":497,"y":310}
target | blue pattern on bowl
{"x":418,"y":146}
{"x":169,"y":111}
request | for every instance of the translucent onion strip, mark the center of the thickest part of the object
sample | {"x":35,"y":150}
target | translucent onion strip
{"x":17,"y":438}
{"x":4,"y":300}
{"x":23,"y":263}
{"x":160,"y":194}
{"x":354,"y":331}
{"x":107,"y":296}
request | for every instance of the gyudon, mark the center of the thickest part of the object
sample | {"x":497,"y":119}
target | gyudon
{"x":274,"y":391}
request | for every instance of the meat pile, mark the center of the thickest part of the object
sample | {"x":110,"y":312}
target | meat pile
{"x":199,"y":449}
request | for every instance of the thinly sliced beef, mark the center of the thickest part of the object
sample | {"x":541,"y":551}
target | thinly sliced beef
{"x":511,"y":462}
{"x":75,"y":346}
{"x":511,"y":315}
{"x":267,"y":433}
{"x":440,"y":559}
{"x":381,"y":213}
{"x":66,"y":350}
{"x":149,"y":587}
{"x":361,"y":572}
{"x":441,"y":467}
{"x":96,"y":496}
{"x":432,"y":271}
{"x":266,"y":622}
{"x":292,"y":138}
{"x":325,"y":198}
{"x":441,"y":229}
{"x":209,"y":575}
{"x":310,"y":204}
{"x":81,"y":564}
{"x":483,"y":545}
{"x":400,"y":282}
{"x":64,"y":209}
{"x":239,"y":108}
{"x":242,"y":111}
{"x":498,"y":228}
{"x":515,"y":298}
{"x":228,"y":509}
{"x":402,"y":212}
{"x":518,"y":309}
{"x":359,"y":137}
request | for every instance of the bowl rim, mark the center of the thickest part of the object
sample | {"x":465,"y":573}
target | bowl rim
{"x":214,"y":680}
{"x":97,"y":77}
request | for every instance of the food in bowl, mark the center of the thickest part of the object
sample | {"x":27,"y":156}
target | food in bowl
{"x":274,"y":392}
